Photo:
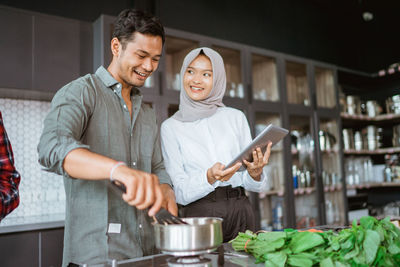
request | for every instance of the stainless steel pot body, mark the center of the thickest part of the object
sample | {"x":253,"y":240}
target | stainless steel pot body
{"x":199,"y":236}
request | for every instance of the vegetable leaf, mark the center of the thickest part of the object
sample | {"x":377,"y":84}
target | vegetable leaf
{"x":371,"y":244}
{"x":304,"y":241}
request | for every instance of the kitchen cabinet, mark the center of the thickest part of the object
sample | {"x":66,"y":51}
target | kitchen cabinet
{"x":36,"y":248}
{"x":44,"y":64}
{"x":16,"y":52}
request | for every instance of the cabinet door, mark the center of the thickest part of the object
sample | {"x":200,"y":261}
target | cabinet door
{"x":16,"y":49}
{"x":233,"y":69}
{"x":271,"y":201}
{"x":52,"y":243}
{"x":325,"y":87}
{"x":19,"y":249}
{"x":57,"y":58}
{"x":304,"y":171}
{"x":264,"y":78}
{"x":176,"y":50}
{"x":297,"y":84}
{"x":331,"y":172}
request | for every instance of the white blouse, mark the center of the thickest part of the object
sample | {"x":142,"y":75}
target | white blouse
{"x":190,"y":148}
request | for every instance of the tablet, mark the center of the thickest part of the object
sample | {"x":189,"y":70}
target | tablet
{"x":271,"y":133}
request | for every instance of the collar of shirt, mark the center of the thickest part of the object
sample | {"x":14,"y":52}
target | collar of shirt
{"x":112,"y":83}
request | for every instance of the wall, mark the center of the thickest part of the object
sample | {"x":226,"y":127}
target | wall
{"x":329,"y":31}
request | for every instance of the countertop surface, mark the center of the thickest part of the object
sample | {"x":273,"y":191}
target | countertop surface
{"x":31,"y":223}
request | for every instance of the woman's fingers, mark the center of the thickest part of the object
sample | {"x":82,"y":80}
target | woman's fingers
{"x":232,"y":169}
{"x":267,"y":153}
{"x":259,"y":156}
{"x":255,"y":157}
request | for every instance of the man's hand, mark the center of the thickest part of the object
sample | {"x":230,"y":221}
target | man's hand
{"x":169,"y":202}
{"x":217,"y":172}
{"x":142,"y":189}
{"x":255,"y":168}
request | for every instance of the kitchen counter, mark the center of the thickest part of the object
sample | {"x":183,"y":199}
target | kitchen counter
{"x":231,"y":259}
{"x":31,"y":223}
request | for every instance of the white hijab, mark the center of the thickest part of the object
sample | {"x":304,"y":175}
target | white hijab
{"x":191,"y":110}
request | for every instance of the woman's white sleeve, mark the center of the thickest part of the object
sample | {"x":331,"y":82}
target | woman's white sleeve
{"x":187,"y":187}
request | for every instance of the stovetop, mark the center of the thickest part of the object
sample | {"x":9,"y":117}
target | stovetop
{"x":230,"y":258}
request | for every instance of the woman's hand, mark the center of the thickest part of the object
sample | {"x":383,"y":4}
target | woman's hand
{"x":217,"y":172}
{"x":255,"y":168}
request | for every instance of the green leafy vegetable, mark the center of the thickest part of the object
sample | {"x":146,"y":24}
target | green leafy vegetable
{"x":371,"y":243}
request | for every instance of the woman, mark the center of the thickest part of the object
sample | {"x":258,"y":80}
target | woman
{"x":203,"y":135}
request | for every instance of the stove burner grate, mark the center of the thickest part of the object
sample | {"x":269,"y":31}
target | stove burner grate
{"x":191,"y":261}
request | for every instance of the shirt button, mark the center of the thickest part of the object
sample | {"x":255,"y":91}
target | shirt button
{"x":133,"y":163}
{"x":115,"y":91}
{"x":140,"y":226}
{"x":119,"y":86}
{"x":124,"y":106}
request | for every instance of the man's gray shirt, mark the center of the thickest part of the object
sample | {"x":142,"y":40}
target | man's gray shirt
{"x":91,"y":113}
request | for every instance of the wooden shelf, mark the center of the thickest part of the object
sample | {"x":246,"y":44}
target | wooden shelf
{"x":332,"y":188}
{"x":278,"y":149}
{"x":379,"y":151}
{"x":383,"y":117}
{"x":373,"y":185}
{"x":279,"y":193}
{"x":329,"y":151}
{"x":304,"y":191}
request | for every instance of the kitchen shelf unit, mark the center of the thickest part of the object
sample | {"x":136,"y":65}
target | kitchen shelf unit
{"x":366,"y":87}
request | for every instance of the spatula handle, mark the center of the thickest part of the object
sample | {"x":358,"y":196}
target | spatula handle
{"x":118,"y":187}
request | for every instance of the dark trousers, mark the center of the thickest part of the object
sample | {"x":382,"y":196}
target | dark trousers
{"x":230,"y":204}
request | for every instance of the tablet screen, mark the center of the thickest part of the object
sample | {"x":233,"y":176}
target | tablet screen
{"x":271,"y":133}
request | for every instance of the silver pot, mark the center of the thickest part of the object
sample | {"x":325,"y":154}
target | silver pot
{"x":201,"y":235}
{"x":348,"y":139}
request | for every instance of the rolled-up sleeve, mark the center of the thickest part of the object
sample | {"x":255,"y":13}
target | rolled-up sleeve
{"x":64,"y":125}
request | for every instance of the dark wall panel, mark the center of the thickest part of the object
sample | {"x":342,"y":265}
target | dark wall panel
{"x":56,"y":52}
{"x":15,"y":49}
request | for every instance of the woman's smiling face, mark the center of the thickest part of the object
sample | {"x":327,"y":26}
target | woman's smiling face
{"x":198,"y":78}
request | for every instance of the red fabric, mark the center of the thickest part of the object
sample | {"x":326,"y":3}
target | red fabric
{"x":9,"y":177}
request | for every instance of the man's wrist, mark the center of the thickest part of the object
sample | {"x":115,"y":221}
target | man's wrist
{"x":114,"y":167}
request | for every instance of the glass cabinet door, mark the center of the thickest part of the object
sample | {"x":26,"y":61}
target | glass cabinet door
{"x":271,"y":201}
{"x":264,"y":78}
{"x":175,"y":51}
{"x":325,"y":87}
{"x":234,"y":83}
{"x":303,"y":172}
{"x":297,"y":84}
{"x":331,"y":172}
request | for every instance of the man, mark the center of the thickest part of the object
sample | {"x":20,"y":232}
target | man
{"x":9,"y":177}
{"x":99,"y":129}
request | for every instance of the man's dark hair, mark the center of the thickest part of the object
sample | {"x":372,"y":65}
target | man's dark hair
{"x":130,"y":21}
